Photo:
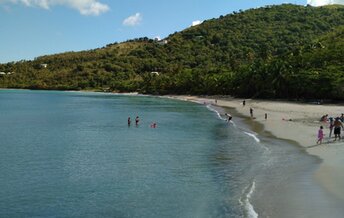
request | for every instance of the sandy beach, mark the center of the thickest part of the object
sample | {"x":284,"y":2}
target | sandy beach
{"x":300,"y":123}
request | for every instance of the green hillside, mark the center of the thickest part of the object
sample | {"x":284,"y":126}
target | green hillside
{"x":284,"y":51}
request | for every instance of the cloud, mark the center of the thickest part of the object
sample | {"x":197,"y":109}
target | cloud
{"x":133,"y":20}
{"x":94,"y":8}
{"x":324,"y":2}
{"x":196,"y":22}
{"x":85,"y":7}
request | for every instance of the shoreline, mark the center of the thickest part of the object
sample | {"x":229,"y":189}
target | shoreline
{"x":293,"y":122}
{"x":297,"y":123}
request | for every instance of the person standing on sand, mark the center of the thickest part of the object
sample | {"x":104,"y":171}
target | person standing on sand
{"x":251,"y":112}
{"x":337,"y":128}
{"x":243,"y":103}
{"x":330,"y":126}
{"x":320,"y":135}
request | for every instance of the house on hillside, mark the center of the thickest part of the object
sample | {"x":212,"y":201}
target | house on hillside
{"x":155,"y":73}
{"x":161,"y":41}
{"x":44,"y":65}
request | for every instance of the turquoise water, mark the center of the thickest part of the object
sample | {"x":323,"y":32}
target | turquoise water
{"x":70,"y":154}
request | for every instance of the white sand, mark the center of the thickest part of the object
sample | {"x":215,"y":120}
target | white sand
{"x":302,"y":128}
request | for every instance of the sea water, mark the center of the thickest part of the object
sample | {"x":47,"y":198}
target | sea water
{"x":73,"y":154}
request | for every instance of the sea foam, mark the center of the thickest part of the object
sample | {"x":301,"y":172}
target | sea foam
{"x":245,"y":201}
{"x":217,"y":113}
{"x":253,"y":136}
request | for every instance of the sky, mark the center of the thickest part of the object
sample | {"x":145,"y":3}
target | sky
{"x":32,"y":28}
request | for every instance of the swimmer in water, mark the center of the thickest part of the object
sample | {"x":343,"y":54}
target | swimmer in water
{"x":137,"y":120}
{"x":153,"y":125}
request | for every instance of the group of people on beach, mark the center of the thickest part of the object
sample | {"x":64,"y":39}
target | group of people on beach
{"x":335,"y":125}
{"x":251,"y":111}
{"x":137,"y":120}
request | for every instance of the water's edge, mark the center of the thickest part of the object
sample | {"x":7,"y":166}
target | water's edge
{"x":253,"y":206}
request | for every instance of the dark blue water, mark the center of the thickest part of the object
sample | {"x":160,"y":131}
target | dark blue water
{"x":69,"y":154}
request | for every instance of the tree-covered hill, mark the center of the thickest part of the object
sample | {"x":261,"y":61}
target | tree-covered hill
{"x":284,"y":51}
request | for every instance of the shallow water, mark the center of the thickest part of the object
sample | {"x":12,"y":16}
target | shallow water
{"x":284,"y":183}
{"x":71,"y":154}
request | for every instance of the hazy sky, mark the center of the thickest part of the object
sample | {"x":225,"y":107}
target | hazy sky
{"x":31,"y":28}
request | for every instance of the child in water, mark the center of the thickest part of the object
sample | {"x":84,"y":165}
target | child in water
{"x":320,"y":135}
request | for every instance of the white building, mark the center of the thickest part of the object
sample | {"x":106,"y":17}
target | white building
{"x":155,"y":73}
{"x":162,"y":42}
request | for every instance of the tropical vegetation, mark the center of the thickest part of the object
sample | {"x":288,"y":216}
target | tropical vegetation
{"x":285,"y":51}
